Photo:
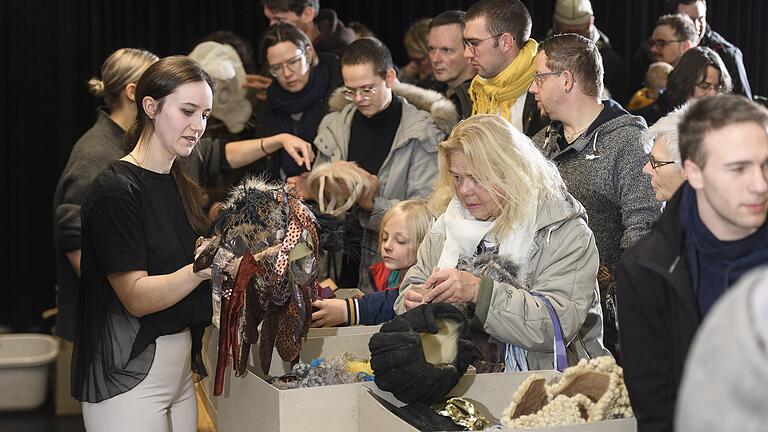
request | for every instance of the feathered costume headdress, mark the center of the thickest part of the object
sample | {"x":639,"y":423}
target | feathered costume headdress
{"x":275,"y":234}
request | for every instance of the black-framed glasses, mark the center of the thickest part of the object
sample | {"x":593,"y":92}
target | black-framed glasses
{"x":366,"y":92}
{"x":655,"y":164}
{"x":662,"y":43}
{"x":472,"y":44}
{"x":706,"y":86}
{"x":293,"y":64}
{"x":538,"y":78}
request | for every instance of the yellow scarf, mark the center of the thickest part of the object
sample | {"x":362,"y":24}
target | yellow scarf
{"x":497,"y":95}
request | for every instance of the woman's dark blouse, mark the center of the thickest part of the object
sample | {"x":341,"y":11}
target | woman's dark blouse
{"x":133,"y":219}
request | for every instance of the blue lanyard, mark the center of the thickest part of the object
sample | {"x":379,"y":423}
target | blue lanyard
{"x":561,"y":358}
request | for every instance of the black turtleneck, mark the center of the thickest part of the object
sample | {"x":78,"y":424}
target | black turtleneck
{"x":370,"y":138}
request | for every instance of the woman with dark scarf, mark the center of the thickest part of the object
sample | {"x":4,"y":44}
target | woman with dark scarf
{"x":298,"y":97}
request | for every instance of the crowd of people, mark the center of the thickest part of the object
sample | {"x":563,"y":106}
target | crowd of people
{"x":528,"y":182}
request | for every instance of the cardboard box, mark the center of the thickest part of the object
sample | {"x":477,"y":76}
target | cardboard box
{"x":249,"y":403}
{"x":492,"y":392}
{"x":321,"y":342}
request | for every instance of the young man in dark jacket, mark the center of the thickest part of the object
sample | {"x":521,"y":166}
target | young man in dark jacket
{"x":712,"y":231}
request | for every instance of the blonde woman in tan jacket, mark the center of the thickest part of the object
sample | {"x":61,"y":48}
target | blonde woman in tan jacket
{"x":513,"y":248}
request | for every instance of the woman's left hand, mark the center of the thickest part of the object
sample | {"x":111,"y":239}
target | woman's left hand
{"x":452,"y":286}
{"x":298,"y":149}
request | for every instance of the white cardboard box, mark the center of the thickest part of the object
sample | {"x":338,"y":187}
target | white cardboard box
{"x":492,"y":392}
{"x":249,"y":403}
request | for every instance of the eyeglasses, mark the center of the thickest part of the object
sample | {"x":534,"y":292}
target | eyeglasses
{"x":655,"y":164}
{"x":662,"y":43}
{"x":472,"y":44}
{"x":538,"y":78}
{"x":294,"y":65}
{"x":366,"y":92}
{"x":719,"y":87}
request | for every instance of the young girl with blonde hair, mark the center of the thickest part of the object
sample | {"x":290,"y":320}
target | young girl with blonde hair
{"x":402,"y":229}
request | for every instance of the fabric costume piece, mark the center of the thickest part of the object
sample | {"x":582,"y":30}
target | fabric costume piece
{"x":589,"y":392}
{"x":399,"y":360}
{"x":337,"y":186}
{"x":276,"y":281}
{"x":496,"y":95}
{"x":224,"y":65}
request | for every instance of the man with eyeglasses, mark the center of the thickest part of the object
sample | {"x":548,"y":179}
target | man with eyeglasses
{"x":596,"y":144}
{"x":598,"y":149}
{"x":731,"y":55}
{"x":390,"y":130}
{"x":713,"y":230}
{"x":673,"y":35}
{"x":497,"y":43}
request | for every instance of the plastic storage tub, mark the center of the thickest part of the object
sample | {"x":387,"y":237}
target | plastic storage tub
{"x":25,"y":359}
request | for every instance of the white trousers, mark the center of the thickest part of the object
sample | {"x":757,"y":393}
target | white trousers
{"x":163,"y":402}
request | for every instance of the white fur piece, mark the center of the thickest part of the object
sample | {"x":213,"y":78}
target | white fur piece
{"x":443,"y":347}
{"x":442,"y":110}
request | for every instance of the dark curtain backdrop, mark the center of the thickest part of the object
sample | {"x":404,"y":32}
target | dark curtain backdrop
{"x":50,"y":48}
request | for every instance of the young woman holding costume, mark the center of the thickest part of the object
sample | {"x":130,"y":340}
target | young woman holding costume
{"x":142,"y":309}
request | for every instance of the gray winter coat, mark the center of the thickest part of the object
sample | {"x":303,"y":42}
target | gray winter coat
{"x":603,"y":169}
{"x":723,"y":388}
{"x":563,"y":266}
{"x":410,"y":167}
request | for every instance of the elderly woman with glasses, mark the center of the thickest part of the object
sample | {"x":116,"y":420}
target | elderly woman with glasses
{"x":298,"y":97}
{"x":664,"y":165}
{"x":700,"y":72}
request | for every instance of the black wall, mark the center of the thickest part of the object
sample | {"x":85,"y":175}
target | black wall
{"x":50,"y":48}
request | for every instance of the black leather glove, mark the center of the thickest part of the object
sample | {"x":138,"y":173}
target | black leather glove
{"x":397,"y":354}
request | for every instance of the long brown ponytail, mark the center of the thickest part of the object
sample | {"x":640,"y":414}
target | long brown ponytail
{"x":160,"y":80}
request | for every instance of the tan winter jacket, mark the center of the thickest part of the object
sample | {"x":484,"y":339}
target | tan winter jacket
{"x":562,"y":266}
{"x":411,"y":165}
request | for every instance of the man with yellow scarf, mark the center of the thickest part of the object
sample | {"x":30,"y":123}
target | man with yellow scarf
{"x":497,"y":43}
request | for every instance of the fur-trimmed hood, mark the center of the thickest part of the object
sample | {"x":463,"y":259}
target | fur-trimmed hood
{"x":442,"y":110}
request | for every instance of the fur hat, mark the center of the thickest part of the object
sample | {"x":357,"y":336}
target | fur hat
{"x":224,"y":65}
{"x":573,"y":12}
